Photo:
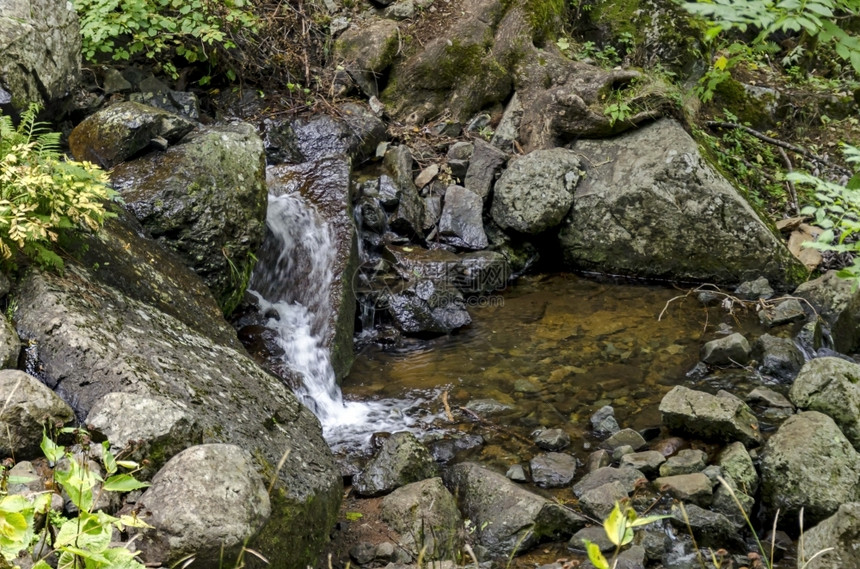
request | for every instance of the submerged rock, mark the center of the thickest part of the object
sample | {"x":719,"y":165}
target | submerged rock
{"x":808,"y":463}
{"x":831,"y":386}
{"x":779,"y":357}
{"x":401,"y":460}
{"x":709,"y":416}
{"x":650,"y":205}
{"x":508,"y":518}
{"x":426,"y":307}
{"x":733,"y":349}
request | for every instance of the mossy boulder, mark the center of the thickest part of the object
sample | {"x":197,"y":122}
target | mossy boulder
{"x":366,"y":50}
{"x":205,"y":199}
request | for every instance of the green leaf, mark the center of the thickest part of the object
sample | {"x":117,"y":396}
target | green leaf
{"x":123,"y":483}
{"x":595,"y":556}
{"x":52,"y":451}
{"x":108,"y":458}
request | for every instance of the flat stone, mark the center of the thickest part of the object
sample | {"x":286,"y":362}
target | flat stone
{"x":785,"y":312}
{"x":647,"y":461}
{"x":709,"y":416}
{"x":600,"y":501}
{"x":686,"y":461}
{"x":603,"y":421}
{"x":626,"y":476}
{"x":694,"y":487}
{"x":552,"y":439}
{"x":553,"y":469}
{"x":625,"y":437}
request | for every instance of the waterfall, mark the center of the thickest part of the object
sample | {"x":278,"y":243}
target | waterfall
{"x":293,"y":284}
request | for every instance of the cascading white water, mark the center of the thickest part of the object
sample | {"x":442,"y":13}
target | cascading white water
{"x":301,"y":247}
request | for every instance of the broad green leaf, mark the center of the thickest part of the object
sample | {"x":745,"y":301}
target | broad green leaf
{"x":595,"y":556}
{"x":108,"y":458}
{"x":639,"y":522}
{"x":52,"y":451}
{"x":133,"y":522}
{"x":123,"y":483}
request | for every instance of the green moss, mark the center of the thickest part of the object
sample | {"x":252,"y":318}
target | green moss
{"x":621,"y":16}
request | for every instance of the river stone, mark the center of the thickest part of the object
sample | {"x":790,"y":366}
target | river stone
{"x":778,"y":357}
{"x":461,"y":223}
{"x":711,"y":529}
{"x":325,"y":189}
{"x":458,"y":157}
{"x":193,"y":518}
{"x":401,"y":460}
{"x":646,"y":462}
{"x":650,"y":205}
{"x":841,"y":531}
{"x":732,"y":349}
{"x":603,"y":421}
{"x":206,"y":200}
{"x":144,"y":428}
{"x":130,"y":314}
{"x":600,"y":501}
{"x":624,"y":437}
{"x":10,"y":344}
{"x":552,"y":439}
{"x":367,"y":49}
{"x":182,"y":103}
{"x":27,"y":406}
{"x":474,"y":272}
{"x":40,"y":51}
{"x":594,"y":534}
{"x":694,"y":487}
{"x":808,"y":463}
{"x":508,"y":130}
{"x":830,"y":385}
{"x":687,"y":461}
{"x":508,"y":518}
{"x":121,"y":131}
{"x":427,"y":307}
{"x":724,"y":502}
{"x":426,"y":517}
{"x":839,"y":306}
{"x":598,"y":459}
{"x":769,"y":398}
{"x":758,"y":289}
{"x":626,"y":476}
{"x":710,"y":417}
{"x":553,"y":469}
{"x":426,"y":176}
{"x":737,"y":464}
{"x":787,"y":311}
{"x":408,"y":217}
{"x":536,"y":191}
{"x":485,"y":162}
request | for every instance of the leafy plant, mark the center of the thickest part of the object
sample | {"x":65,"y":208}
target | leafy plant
{"x":196,"y":30}
{"x":619,"y":526}
{"x":42,"y":193}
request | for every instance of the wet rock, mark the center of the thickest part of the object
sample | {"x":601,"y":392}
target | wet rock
{"x":733,"y":349}
{"x":736,"y":463}
{"x":27,"y":406}
{"x":552,"y":439}
{"x":388,"y":194}
{"x":10,"y":344}
{"x":40,"y":51}
{"x":487,"y":406}
{"x":458,"y":159}
{"x":779,"y":357}
{"x":785,"y":312}
{"x":475,"y":272}
{"x":179,"y":197}
{"x":651,"y":205}
{"x":598,"y":459}
{"x":208,"y":520}
{"x":425,"y":307}
{"x":808,"y":463}
{"x":838,"y":305}
{"x":432,"y":212}
{"x":401,"y":460}
{"x":594,"y":534}
{"x":726,"y":499}
{"x":461,"y":222}
{"x":408,"y":217}
{"x":121,"y":131}
{"x":129,"y":313}
{"x":626,"y":476}
{"x":831,"y":386}
{"x":508,"y":130}
{"x":710,"y":417}
{"x":646,"y":462}
{"x":694,"y":487}
{"x":841,"y":531}
{"x":320,"y":191}
{"x":603,"y":421}
{"x":372,"y":215}
{"x":425,"y":515}
{"x":768,"y":397}
{"x":553,"y":469}
{"x":669,"y":446}
{"x":517,"y":473}
{"x":426,"y":176}
{"x":143,"y":427}
{"x":507,"y":517}
{"x":367,"y":49}
{"x":536,"y":191}
{"x":481,"y":272}
{"x":182,"y":103}
{"x":620,"y":452}
{"x":810,"y":338}
{"x":687,"y":461}
{"x":600,"y":501}
{"x":624,"y":437}
{"x":711,"y":529}
{"x":759,"y":289}
{"x":484,"y":163}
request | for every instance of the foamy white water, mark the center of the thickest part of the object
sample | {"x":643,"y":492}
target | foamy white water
{"x":300,"y":317}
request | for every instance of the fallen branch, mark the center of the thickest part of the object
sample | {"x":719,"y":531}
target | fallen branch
{"x":447,"y":407}
{"x":478,"y":419}
{"x":777,"y":142}
{"x":791,"y":190}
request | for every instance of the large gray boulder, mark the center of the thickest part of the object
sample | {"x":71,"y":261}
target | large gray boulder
{"x":40,"y":51}
{"x":129,"y":317}
{"x":26,"y":407}
{"x":651,"y":205}
{"x":808,"y":463}
{"x":713,"y":417}
{"x":536,"y":192}
{"x":208,"y":501}
{"x":401,"y":460}
{"x":830,"y":385}
{"x":118,"y":132}
{"x":366,"y":49}
{"x":507,"y":517}
{"x":205,"y":199}
{"x":425,"y":515}
{"x":841,"y":531}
